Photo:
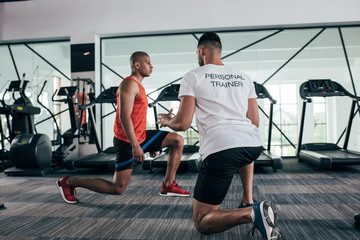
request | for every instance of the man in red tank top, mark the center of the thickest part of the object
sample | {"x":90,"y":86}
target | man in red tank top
{"x":131,"y":140}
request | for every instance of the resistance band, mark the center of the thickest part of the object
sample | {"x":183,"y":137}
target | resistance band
{"x":143,"y":148}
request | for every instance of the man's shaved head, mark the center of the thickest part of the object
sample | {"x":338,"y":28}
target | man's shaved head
{"x":136,"y":56}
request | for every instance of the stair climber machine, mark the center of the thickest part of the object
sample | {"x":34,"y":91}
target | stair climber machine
{"x":190,"y":156}
{"x":67,"y":144}
{"x":30,"y":153}
{"x":326,"y":155}
{"x":267,"y":158}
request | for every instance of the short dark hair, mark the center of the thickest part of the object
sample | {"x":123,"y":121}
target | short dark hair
{"x":137,"y":55}
{"x":210,"y":39}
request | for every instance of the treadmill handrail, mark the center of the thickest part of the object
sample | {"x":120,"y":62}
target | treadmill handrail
{"x":106,"y":96}
{"x":262,"y":92}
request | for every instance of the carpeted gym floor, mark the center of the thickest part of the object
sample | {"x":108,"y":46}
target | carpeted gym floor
{"x":312,"y":205}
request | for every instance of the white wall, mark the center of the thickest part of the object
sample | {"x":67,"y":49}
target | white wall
{"x":83,"y":19}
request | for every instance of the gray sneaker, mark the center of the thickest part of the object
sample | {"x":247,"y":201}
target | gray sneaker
{"x":266,"y":221}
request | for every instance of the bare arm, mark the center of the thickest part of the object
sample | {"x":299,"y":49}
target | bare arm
{"x":182,"y":120}
{"x":128,"y":91}
{"x":253,"y":112}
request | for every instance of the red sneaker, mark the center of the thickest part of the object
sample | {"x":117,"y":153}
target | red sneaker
{"x":67,"y":191}
{"x":174,"y":190}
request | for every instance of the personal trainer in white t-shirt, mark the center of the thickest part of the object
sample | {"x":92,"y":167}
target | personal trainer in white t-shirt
{"x":224,"y":102}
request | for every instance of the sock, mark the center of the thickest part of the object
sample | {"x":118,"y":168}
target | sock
{"x":252,"y":215}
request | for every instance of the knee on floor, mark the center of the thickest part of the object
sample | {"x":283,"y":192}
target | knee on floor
{"x":118,"y":189}
{"x":201,"y":229}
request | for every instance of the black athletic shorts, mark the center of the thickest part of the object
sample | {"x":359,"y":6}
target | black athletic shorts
{"x":124,"y":157}
{"x":217,"y":171}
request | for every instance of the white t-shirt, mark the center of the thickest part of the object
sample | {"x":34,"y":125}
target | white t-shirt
{"x":221,"y":94}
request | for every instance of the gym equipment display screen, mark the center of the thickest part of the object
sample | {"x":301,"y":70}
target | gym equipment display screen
{"x":320,"y":85}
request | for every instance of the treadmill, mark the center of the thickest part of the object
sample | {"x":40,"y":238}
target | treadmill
{"x":326,"y":155}
{"x":267,"y":158}
{"x":190,"y":154}
{"x":103,"y":159}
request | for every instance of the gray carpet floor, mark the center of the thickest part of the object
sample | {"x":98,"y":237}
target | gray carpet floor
{"x":311,"y":204}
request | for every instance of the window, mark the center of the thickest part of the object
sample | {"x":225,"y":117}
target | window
{"x":285,"y":117}
{"x":319,"y":111}
{"x":40,"y":62}
{"x":281,"y":59}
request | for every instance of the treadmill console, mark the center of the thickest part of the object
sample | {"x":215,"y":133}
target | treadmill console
{"x":107,"y":96}
{"x":169,"y":93}
{"x":173,"y":90}
{"x":321,"y":85}
{"x":323,"y":88}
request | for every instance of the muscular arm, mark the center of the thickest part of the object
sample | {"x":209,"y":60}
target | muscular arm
{"x":182,"y":120}
{"x":128,"y":91}
{"x":253,"y":112}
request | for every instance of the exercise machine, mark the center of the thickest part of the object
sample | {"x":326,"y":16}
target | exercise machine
{"x":69,"y":147}
{"x":22,"y":111}
{"x":267,"y":158}
{"x":357,"y":220}
{"x":190,"y":154}
{"x":103,"y":158}
{"x":30,"y":153}
{"x":67,"y":143}
{"x":326,"y":155}
{"x":82,"y":97}
{"x":4,"y":153}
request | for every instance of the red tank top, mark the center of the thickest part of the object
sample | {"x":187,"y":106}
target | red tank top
{"x":138,"y":116}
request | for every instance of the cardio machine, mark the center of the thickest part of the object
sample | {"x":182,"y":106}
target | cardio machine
{"x":4,"y":153}
{"x":68,"y":142}
{"x":103,"y":158}
{"x":326,"y":155}
{"x":190,"y":156}
{"x":267,"y":158}
{"x":30,"y":153}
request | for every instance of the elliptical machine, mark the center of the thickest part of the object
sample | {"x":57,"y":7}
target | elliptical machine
{"x":30,"y":153}
{"x":68,"y":141}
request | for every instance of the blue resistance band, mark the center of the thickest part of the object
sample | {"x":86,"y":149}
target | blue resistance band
{"x":120,"y":164}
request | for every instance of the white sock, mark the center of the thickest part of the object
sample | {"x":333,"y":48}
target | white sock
{"x":252,"y":215}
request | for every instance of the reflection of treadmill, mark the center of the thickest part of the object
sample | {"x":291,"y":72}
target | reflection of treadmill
{"x":190,"y":153}
{"x":102,"y":159}
{"x":326,"y":155}
{"x":268,"y":158}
